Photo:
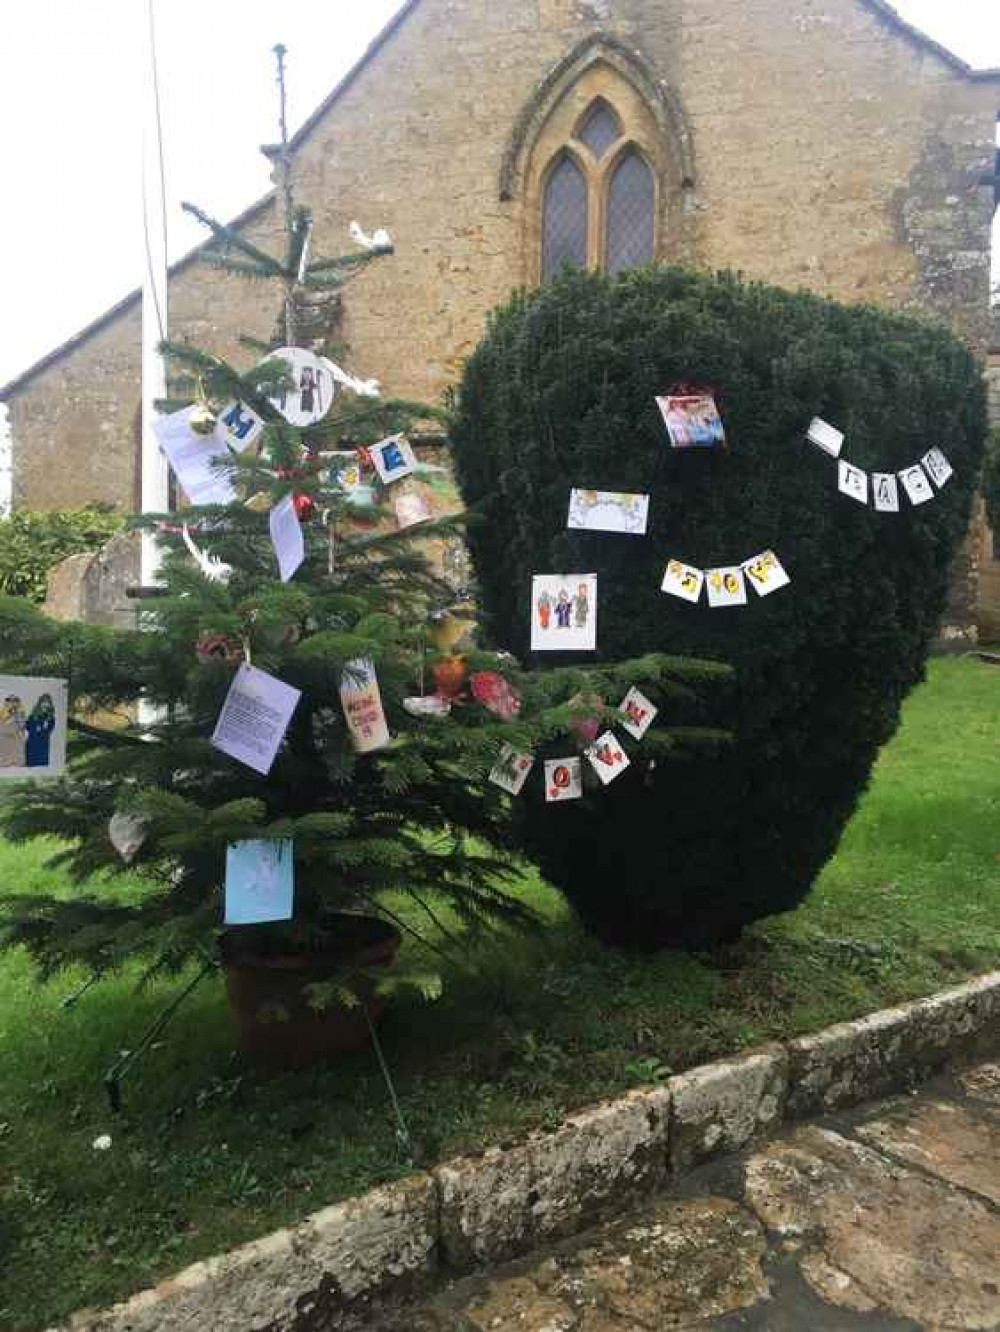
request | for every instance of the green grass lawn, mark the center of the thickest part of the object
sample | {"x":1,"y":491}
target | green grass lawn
{"x":206,"y":1153}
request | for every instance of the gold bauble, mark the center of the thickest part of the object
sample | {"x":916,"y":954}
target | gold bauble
{"x":201,"y":420}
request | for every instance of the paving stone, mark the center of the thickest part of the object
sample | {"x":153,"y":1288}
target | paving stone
{"x":915,"y":1247}
{"x":945,"y":1139}
{"x":720,"y":1108}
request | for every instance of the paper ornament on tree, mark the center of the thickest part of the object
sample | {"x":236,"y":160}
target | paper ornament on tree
{"x":563,"y":780}
{"x":496,"y":695}
{"x":239,"y":426}
{"x":726,"y":587}
{"x":286,"y":538}
{"x":607,"y":758}
{"x":586,"y":712}
{"x":638,"y":714}
{"x":127,"y":834}
{"x":938,"y":468}
{"x":411,"y":510}
{"x":346,"y":472}
{"x":608,"y":511}
{"x":260,"y":882}
{"x":826,"y":437}
{"x":361,"y":700}
{"x":564,"y":613}
{"x":393,"y":459}
{"x":885,"y":492}
{"x":33,"y":718}
{"x":312,"y":390}
{"x":511,"y":770}
{"x":195,"y":459}
{"x":692,"y":421}
{"x":254,"y":718}
{"x":218,"y":647}
{"x":681,"y":580}
{"x":765,"y":574}
{"x":428,"y":705}
{"x":916,"y":485}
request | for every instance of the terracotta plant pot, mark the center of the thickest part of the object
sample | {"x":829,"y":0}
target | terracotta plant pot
{"x":269,"y":1004}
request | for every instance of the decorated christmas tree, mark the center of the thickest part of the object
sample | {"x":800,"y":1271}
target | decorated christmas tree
{"x":281,"y":755}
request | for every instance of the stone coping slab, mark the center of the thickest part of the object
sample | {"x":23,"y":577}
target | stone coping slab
{"x":481,"y":1210}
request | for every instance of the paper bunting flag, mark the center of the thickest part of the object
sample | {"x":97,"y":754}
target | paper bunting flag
{"x":286,"y":538}
{"x":260,"y":882}
{"x":608,"y":511}
{"x":238,"y":426}
{"x":766,"y":574}
{"x":313,"y":386}
{"x":33,"y":716}
{"x":411,"y":510}
{"x":564,"y":613}
{"x":852,"y":481}
{"x":192,"y":458}
{"x":254,"y":718}
{"x":638,"y":714}
{"x":826,"y":437}
{"x":346,"y":472}
{"x":916,"y":485}
{"x":681,"y":580}
{"x":361,"y":699}
{"x":607,"y":758}
{"x":511,"y":770}
{"x":393,"y":459}
{"x":885,"y":492}
{"x":726,"y":587}
{"x":938,"y":468}
{"x":563,"y":780}
{"x":692,"y":421}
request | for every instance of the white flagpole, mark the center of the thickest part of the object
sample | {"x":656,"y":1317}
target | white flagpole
{"x":154,"y":496}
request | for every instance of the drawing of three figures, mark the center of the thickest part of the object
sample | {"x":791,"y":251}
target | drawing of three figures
{"x":564,"y":608}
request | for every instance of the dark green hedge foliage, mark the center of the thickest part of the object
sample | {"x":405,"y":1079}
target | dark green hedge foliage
{"x":560,"y":394}
{"x":32,"y":544}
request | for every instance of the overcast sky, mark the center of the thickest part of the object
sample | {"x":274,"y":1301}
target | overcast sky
{"x":68,"y":105}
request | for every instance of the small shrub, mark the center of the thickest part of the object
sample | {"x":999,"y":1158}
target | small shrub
{"x":32,"y":544}
{"x":561,"y":393}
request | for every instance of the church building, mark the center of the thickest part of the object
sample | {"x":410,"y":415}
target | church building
{"x":823,"y":144}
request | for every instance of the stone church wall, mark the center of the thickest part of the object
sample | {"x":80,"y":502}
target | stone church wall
{"x":822,"y":147}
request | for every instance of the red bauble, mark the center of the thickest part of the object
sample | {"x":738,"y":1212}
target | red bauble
{"x":450,"y":675}
{"x":497,"y":695}
{"x":305,"y":507}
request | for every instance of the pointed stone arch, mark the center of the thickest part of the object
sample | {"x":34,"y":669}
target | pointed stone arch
{"x":632,"y":66}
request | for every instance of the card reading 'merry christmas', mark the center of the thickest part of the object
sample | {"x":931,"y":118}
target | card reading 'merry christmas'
{"x":564,"y":613}
{"x":260,"y":882}
{"x":938,"y":467}
{"x":726,"y":587}
{"x":511,"y":770}
{"x":638,"y":714}
{"x":33,"y":716}
{"x":885,"y":492}
{"x":852,"y":481}
{"x":254,"y":718}
{"x":684,"y":581}
{"x":915,"y":483}
{"x":563,"y":780}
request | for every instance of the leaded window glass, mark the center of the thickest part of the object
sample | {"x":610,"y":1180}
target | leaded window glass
{"x":600,"y":130}
{"x":564,"y":222}
{"x":631,"y":214}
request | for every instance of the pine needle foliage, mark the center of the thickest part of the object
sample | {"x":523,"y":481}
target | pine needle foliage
{"x":561,"y":393}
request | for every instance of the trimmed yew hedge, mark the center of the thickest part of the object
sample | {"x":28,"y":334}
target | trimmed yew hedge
{"x":561,"y":393}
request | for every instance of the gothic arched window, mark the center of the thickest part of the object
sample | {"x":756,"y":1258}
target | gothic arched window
{"x":599,"y":199}
{"x":565,"y":218}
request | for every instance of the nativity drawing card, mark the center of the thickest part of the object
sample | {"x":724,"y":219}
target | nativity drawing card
{"x":608,"y":511}
{"x":692,"y":421}
{"x":564,"y":613}
{"x":683,"y":580}
{"x":33,"y":717}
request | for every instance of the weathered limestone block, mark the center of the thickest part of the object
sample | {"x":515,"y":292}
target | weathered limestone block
{"x":553,"y":1184}
{"x":721,"y":1107}
{"x":946,"y":1140}
{"x":91,"y":586}
{"x":884,"y":1237}
{"x":304,"y":1277}
{"x":854,"y":1061}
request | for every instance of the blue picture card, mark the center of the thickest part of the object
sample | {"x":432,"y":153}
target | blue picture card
{"x":260,"y":882}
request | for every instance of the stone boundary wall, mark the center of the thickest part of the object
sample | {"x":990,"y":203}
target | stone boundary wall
{"x":474,"y":1211}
